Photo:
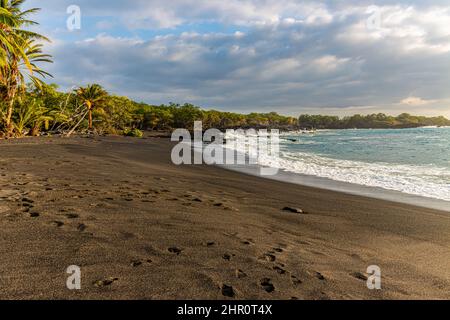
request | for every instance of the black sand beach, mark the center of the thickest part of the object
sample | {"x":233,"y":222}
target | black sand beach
{"x":142,"y":228}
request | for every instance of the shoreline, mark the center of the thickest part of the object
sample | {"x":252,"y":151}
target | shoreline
{"x":377,"y":193}
{"x":142,"y":228}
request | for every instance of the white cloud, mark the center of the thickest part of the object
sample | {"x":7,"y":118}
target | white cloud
{"x":288,"y":55}
{"x":416,"y":101}
{"x":420,"y":29}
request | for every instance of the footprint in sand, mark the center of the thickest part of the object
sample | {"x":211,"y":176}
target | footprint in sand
{"x":240,"y":274}
{"x":57,"y":223}
{"x":27,"y":200}
{"x":248,"y":242}
{"x":359,"y":276}
{"x":175,"y":250}
{"x":268,"y":257}
{"x":319,"y":276}
{"x":71,"y":216}
{"x":279,"y":270}
{"x":226,"y":256}
{"x":136,"y":263}
{"x":295,"y":281}
{"x":267,"y":285}
{"x":227,"y":291}
{"x":27,"y":205}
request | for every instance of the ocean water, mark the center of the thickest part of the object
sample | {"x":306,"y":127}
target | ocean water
{"x":410,"y":161}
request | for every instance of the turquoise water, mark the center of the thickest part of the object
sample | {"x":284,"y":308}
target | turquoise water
{"x":412,"y":161}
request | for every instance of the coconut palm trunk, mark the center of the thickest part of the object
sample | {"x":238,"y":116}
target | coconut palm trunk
{"x":10,"y":102}
{"x":89,"y":107}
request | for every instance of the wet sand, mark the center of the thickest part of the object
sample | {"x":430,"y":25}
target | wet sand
{"x":142,"y":228}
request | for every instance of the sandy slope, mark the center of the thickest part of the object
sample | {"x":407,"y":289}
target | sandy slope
{"x":120,"y":210}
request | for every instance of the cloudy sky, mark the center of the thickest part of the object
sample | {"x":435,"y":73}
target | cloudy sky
{"x":334,"y":57}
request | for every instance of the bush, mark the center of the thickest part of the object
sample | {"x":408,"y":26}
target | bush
{"x":135,"y":133}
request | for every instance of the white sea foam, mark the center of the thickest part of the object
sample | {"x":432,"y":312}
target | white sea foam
{"x":426,"y":181}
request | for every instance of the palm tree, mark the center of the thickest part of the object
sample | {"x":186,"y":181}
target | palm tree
{"x":33,"y":113}
{"x":91,"y":97}
{"x":19,"y":54}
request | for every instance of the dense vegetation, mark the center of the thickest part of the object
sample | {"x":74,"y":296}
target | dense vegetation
{"x":371,"y":121}
{"x":45,"y":109}
{"x":28,"y":106}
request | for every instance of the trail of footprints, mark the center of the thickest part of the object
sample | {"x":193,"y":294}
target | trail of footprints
{"x":157,"y":194}
{"x":27,"y":205}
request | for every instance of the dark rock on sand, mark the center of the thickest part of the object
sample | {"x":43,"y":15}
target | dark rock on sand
{"x":294,"y":210}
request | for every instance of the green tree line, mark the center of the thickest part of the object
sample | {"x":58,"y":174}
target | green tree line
{"x":371,"y":121}
{"x":45,"y":109}
{"x":91,"y":109}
